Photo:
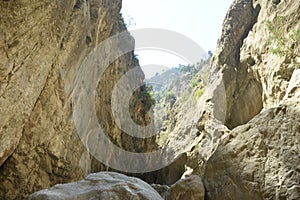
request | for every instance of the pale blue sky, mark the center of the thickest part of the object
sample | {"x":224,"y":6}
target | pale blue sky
{"x":200,"y":20}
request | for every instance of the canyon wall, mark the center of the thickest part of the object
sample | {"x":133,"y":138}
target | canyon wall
{"x":43,"y":44}
{"x":243,"y":138}
{"x":260,"y":159}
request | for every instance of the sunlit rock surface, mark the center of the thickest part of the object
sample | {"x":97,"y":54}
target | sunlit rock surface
{"x":102,"y":185}
{"x":244,"y":135}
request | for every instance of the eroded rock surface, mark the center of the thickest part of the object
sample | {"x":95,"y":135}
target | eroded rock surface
{"x":246,"y":124}
{"x":259,"y":160}
{"x":161,"y":189}
{"x":190,"y":188}
{"x":43,"y":44}
{"x":239,"y":155}
{"x":102,"y":185}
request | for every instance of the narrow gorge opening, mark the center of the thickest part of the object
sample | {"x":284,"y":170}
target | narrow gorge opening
{"x":98,"y":95}
{"x":174,"y":81}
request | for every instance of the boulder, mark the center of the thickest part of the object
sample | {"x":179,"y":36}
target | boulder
{"x":190,"y":188}
{"x":102,"y":185}
{"x":161,"y":189}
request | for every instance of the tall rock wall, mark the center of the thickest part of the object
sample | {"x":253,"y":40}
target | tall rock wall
{"x":259,"y":160}
{"x":257,"y":56}
{"x":243,"y":137}
{"x":42,"y":45}
{"x":258,"y":63}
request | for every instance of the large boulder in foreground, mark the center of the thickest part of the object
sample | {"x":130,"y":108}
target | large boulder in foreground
{"x":102,"y":185}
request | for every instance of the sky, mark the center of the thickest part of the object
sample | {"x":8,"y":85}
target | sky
{"x":199,"y":20}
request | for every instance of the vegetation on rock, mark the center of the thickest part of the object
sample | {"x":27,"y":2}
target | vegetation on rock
{"x":281,"y":40}
{"x":175,"y":90}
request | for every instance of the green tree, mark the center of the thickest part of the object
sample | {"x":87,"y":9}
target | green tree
{"x":170,"y":97}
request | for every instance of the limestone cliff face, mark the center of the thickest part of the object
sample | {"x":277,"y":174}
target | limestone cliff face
{"x":42,"y":44}
{"x":260,"y":159}
{"x":244,"y":137}
{"x":256,"y":77}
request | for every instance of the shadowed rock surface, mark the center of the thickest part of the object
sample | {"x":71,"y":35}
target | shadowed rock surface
{"x":111,"y":185}
{"x":42,"y":46}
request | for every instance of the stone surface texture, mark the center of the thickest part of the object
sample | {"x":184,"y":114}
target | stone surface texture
{"x":102,"y":185}
{"x":258,"y":159}
{"x":189,"y":188}
{"x":243,"y":138}
{"x":42,"y":45}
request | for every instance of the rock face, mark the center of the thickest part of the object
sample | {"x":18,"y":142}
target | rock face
{"x":240,"y":106}
{"x":43,"y":44}
{"x":161,"y":189}
{"x":260,"y":159}
{"x":190,"y":188}
{"x":243,"y":138}
{"x":102,"y":185}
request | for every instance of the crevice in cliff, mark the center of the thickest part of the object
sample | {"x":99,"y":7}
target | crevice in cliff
{"x":240,"y":83}
{"x":276,"y":2}
{"x":254,"y":14}
{"x":41,"y":92}
{"x":2,"y":166}
{"x":78,"y":5}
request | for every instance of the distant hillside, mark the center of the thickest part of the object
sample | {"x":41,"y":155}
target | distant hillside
{"x":173,"y":90}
